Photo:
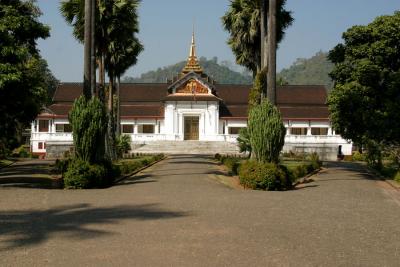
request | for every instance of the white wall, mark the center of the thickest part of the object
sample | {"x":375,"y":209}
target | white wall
{"x":208,"y":114}
{"x":211,"y":128}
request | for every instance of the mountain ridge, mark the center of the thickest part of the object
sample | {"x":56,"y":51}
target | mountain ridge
{"x":304,"y":71}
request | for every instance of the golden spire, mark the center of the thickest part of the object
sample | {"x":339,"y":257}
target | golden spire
{"x":192,"y":62}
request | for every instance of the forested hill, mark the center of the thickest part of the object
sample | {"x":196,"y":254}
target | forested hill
{"x":314,"y":70}
{"x":219,"y":72}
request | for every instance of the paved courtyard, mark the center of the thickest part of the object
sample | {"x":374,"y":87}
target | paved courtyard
{"x":176,"y":214}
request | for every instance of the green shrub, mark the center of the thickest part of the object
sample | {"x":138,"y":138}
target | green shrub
{"x":78,"y":174}
{"x":300,"y":171}
{"x":267,"y":132}
{"x":397,"y":177}
{"x":244,"y":141}
{"x":89,"y":122}
{"x":123,"y":144}
{"x":81,"y":174}
{"x":232,"y":164}
{"x":217,"y":156}
{"x":357,"y":156}
{"x":129,"y":166}
{"x":21,"y":152}
{"x":295,"y":155}
{"x":158,"y":157}
{"x":61,"y":165}
{"x":264,"y":176}
{"x":260,"y":82}
{"x":315,"y":162}
{"x":304,"y":169}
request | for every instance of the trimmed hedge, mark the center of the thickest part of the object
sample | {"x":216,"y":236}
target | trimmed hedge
{"x":131,"y":165}
{"x":269,"y":176}
{"x":81,"y":174}
{"x":264,"y":176}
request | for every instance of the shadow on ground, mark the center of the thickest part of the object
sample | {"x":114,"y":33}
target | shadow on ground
{"x":27,"y":228}
{"x":31,"y":174}
{"x":136,"y":179}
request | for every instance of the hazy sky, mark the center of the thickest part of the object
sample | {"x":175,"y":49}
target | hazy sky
{"x":166,"y":27}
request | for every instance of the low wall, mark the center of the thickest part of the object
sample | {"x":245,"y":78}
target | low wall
{"x":324,"y":151}
{"x":58,"y":150}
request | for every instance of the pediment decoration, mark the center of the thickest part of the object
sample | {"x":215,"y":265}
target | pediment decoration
{"x":192,"y":87}
{"x":191,"y":83}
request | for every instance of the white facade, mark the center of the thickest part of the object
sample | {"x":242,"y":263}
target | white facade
{"x":302,"y":136}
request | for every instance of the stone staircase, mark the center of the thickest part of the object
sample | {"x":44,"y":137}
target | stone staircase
{"x":186,"y":147}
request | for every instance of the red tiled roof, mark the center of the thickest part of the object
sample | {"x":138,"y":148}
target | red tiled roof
{"x":142,"y":92}
{"x":304,"y":112}
{"x":188,"y":97}
{"x":67,"y":92}
{"x":288,"y":94}
{"x":142,"y":111}
{"x":58,"y":110}
{"x":145,"y":100}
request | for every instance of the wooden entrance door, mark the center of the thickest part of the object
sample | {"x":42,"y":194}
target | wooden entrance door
{"x":191,"y":128}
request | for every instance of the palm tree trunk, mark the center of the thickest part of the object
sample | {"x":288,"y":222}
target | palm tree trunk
{"x":102,"y":79}
{"x":118,"y":115}
{"x":264,"y":42}
{"x":271,"y":77}
{"x":110,"y":125}
{"x":93,"y":49}
{"x":87,"y":92}
{"x":264,"y":34}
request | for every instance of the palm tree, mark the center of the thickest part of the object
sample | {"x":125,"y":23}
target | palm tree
{"x":243,"y":22}
{"x":127,"y":57}
{"x":117,"y":47}
{"x":87,"y":86}
{"x":271,"y":76}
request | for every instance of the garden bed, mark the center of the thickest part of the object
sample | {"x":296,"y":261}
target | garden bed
{"x":283,"y":176}
{"x":129,"y":167}
{"x":103,"y":176}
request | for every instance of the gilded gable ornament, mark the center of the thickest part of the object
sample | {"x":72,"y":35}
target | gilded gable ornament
{"x":192,"y":87}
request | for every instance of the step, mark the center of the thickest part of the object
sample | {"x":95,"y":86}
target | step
{"x":186,"y":147}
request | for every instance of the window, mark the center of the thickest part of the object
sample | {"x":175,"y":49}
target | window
{"x":63,"y":128}
{"x":127,"y":128}
{"x":40,"y":145}
{"x":298,"y":131}
{"x":146,"y":128}
{"x":234,"y":130}
{"x":67,"y":128}
{"x":319,"y":131}
{"x":43,"y":126}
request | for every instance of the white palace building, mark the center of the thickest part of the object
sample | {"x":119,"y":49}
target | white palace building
{"x":194,"y":114}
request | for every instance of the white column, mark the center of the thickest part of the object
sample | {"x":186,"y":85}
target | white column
{"x":180,"y":124}
{"x":135,"y":129}
{"x":308,"y":130}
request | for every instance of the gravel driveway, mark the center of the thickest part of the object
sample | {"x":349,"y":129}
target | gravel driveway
{"x":176,"y":214}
